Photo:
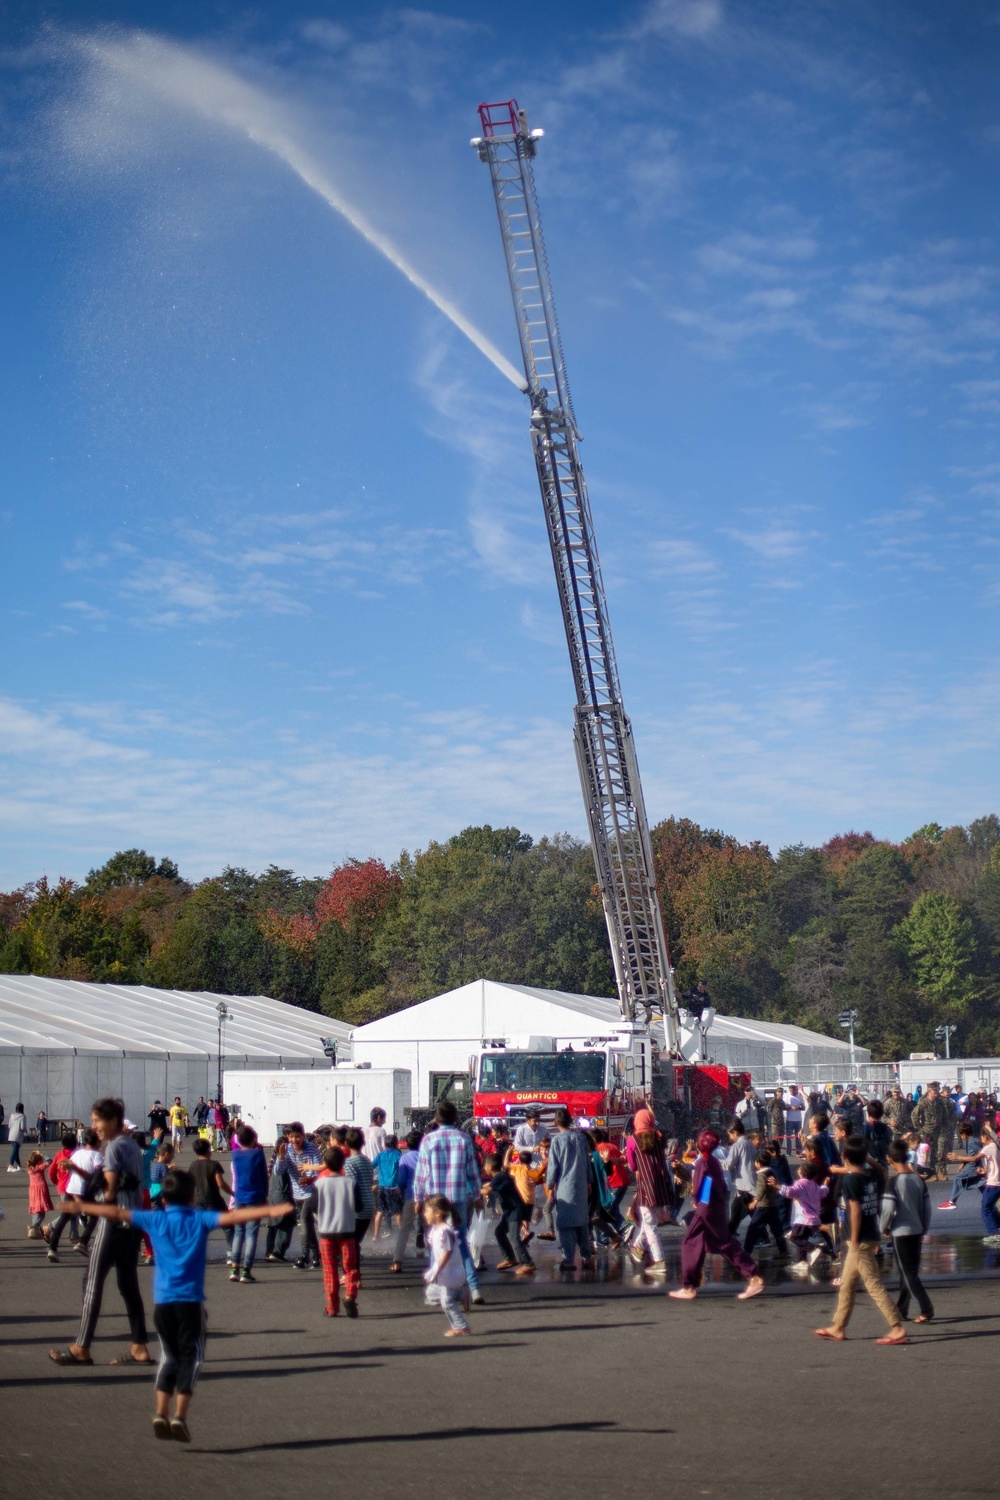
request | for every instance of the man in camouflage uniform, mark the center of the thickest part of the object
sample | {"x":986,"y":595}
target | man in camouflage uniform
{"x":896,"y":1112}
{"x":930,"y":1117}
{"x":946,"y":1139}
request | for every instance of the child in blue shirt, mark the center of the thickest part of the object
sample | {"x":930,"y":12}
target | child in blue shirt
{"x":250,"y":1188}
{"x":180,"y":1238}
{"x":389,"y":1197}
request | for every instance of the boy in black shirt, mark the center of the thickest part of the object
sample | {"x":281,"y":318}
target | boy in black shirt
{"x":860,"y":1186}
{"x":501,"y":1186}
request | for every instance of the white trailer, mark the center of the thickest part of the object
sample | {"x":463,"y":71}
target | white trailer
{"x":965,"y":1073}
{"x":330,"y":1096}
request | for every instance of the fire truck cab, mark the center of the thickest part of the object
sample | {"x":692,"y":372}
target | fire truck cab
{"x":601,"y":1079}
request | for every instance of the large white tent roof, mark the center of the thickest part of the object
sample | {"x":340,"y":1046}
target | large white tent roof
{"x":75,"y":1016}
{"x":486,"y":1008}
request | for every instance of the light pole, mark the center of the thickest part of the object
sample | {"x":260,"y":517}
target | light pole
{"x":224,"y":1014}
{"x":848,"y":1020}
{"x":945,"y":1034}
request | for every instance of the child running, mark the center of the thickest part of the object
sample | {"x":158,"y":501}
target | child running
{"x":501,"y":1187}
{"x":445,"y":1276}
{"x":763,"y":1206}
{"x":180,"y":1238}
{"x":708,"y":1227}
{"x":337,"y":1201}
{"x":806,"y":1195}
{"x":59,"y":1174}
{"x":39,"y":1197}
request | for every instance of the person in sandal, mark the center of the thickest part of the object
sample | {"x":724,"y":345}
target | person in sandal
{"x":179,"y":1233}
{"x":860,"y":1193}
{"x":115,"y":1243}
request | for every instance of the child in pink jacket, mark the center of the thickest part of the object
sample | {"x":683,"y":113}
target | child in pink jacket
{"x":807,"y":1194}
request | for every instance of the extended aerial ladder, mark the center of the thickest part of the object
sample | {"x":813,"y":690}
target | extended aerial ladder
{"x":605,"y":751}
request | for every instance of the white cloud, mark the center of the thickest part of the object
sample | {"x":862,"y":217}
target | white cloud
{"x":774,"y":542}
{"x":277,"y":564}
{"x":694,"y":18}
{"x":800,"y":754}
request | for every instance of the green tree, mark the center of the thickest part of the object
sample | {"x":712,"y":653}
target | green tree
{"x":724,"y":908}
{"x":491,"y":904}
{"x":937,"y":939}
{"x":129,"y":867}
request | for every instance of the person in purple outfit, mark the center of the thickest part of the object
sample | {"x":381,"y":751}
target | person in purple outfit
{"x":708,"y":1228}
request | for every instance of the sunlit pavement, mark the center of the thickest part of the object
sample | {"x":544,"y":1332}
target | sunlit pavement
{"x":592,"y":1378}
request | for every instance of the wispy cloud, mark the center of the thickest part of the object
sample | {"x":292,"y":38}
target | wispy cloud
{"x":504,"y":512}
{"x":277,"y":564}
{"x":689,"y":18}
{"x":800,"y":755}
{"x":774,"y":542}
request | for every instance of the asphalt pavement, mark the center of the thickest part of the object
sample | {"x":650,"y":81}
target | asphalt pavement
{"x":584,"y":1385}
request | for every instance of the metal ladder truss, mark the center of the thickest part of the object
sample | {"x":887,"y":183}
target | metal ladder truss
{"x":605,"y":751}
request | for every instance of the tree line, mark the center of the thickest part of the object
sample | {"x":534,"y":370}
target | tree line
{"x":908,"y":934}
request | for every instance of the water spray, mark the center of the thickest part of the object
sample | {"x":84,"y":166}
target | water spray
{"x":189,"y":81}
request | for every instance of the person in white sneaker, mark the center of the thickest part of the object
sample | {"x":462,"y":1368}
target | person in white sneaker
{"x":16,"y":1126}
{"x":989,"y":1158}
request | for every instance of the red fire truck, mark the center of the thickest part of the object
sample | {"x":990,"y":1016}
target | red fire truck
{"x":601,"y":1080}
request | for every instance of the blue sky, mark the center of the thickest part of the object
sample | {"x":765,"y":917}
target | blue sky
{"x":274,"y":578}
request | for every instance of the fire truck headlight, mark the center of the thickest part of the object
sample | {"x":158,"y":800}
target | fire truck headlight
{"x":583,"y":1123}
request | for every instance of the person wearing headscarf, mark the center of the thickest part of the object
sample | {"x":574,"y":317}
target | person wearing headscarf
{"x":708,"y":1228}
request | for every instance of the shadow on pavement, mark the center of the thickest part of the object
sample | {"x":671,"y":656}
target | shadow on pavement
{"x":438,"y":1435}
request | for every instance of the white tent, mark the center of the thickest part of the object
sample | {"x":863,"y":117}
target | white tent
{"x":440,"y":1035}
{"x":774,"y":1052}
{"x":65,"y":1042}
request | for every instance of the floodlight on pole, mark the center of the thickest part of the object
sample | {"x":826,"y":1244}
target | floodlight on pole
{"x":848,"y":1020}
{"x":945,"y":1034}
{"x":224,"y":1014}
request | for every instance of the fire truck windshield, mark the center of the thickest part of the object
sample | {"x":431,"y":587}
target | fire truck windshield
{"x":503,"y":1072}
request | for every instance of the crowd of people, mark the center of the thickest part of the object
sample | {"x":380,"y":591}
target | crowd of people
{"x":813,"y":1182}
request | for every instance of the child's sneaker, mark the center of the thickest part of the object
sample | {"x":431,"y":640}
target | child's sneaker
{"x":947,"y":1206}
{"x":161,"y":1428}
{"x":247,"y":1276}
{"x":52,"y":1256}
{"x":234,"y":1275}
{"x":179,"y":1430}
